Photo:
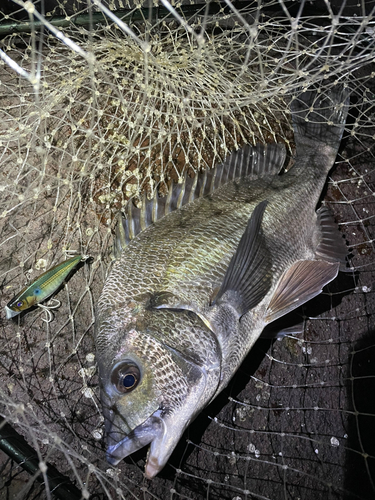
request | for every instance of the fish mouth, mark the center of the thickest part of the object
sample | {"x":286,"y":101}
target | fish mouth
{"x":164,"y":427}
{"x":10,"y":313}
{"x":154,"y":430}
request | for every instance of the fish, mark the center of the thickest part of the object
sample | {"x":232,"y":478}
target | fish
{"x":202,"y":272}
{"x":42,"y":287}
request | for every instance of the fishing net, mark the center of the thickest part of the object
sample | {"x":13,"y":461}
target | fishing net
{"x":102,"y":102}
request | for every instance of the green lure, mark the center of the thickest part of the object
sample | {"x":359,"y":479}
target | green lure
{"x":42,"y":288}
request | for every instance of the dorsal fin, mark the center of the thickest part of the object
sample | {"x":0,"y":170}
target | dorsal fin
{"x":250,"y":161}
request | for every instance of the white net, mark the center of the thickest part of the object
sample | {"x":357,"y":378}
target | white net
{"x":102,"y":102}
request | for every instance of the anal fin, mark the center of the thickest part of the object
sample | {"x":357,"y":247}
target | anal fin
{"x":303,"y":281}
{"x":330,"y":243}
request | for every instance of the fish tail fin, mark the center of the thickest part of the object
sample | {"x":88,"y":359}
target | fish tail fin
{"x":319,"y":119}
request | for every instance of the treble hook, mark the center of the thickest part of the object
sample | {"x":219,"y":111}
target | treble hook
{"x":47,"y":308}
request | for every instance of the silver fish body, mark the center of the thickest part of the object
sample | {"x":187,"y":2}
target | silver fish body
{"x":193,"y":290}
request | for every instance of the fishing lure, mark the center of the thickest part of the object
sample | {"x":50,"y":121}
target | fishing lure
{"x":42,"y":288}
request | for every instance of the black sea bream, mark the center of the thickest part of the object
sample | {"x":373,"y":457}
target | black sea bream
{"x":204,"y":270}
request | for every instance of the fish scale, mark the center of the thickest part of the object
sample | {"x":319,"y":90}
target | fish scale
{"x":204,"y":280}
{"x":194,"y":254}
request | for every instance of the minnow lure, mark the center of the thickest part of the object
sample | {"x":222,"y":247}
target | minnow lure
{"x":42,"y":288}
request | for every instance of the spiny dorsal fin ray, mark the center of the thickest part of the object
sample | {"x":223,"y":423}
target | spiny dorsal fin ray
{"x":303,"y":281}
{"x":248,"y":276}
{"x":250,"y":161}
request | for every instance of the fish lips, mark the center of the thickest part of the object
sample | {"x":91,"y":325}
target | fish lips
{"x":155,"y":431}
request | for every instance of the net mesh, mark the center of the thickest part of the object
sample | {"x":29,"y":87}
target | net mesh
{"x":103,"y":102}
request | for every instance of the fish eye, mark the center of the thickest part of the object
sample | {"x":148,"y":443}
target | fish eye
{"x":125,"y":376}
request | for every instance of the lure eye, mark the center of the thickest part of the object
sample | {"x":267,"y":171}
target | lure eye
{"x":125,"y":377}
{"x":19,"y":304}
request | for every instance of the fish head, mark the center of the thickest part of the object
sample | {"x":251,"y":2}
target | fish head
{"x":149,"y":392}
{"x":21,"y":302}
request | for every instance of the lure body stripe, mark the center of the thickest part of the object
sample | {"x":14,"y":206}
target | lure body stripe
{"x":42,"y":288}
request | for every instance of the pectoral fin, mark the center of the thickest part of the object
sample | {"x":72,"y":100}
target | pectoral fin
{"x":300,"y":283}
{"x":248,"y":277}
{"x":166,"y":300}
